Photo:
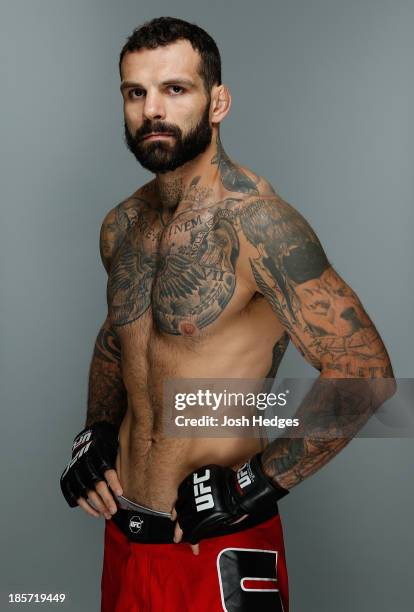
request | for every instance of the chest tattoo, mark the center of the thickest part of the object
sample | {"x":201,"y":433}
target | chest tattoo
{"x":130,"y":280}
{"x":196,"y":282}
{"x":185,"y":272}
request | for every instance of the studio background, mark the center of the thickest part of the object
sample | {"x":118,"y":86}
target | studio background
{"x":322,"y":106}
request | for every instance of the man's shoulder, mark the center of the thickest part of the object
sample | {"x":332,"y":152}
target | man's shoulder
{"x":263,"y":197}
{"x":120,"y":219}
{"x":267,"y":214}
{"x":255,"y":200}
{"x":261,"y":194}
{"x":262,"y":186}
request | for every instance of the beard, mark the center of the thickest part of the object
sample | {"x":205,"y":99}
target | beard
{"x":160,"y":156}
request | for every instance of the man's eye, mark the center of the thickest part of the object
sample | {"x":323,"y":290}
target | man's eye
{"x":174,"y":89}
{"x":135,"y":93}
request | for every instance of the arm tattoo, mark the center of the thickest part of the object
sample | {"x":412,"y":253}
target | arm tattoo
{"x":321,"y":313}
{"x":116,"y":225}
{"x":279,"y":350}
{"x":329,"y":326}
{"x":107,"y":398}
{"x":330,"y":415}
{"x":107,"y":347}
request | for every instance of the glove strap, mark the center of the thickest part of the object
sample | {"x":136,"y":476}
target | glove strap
{"x":253,"y":490}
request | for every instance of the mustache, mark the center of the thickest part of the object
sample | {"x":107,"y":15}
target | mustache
{"x":158,"y":127}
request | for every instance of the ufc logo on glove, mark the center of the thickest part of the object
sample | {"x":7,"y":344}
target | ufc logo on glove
{"x":202,"y":492}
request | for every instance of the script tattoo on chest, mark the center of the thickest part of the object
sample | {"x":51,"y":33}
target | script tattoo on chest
{"x":183,"y":270}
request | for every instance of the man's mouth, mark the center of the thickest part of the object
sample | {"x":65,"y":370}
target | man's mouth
{"x":157,"y":135}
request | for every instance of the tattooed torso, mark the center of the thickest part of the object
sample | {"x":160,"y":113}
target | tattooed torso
{"x":215,"y":289}
{"x":181,"y":307}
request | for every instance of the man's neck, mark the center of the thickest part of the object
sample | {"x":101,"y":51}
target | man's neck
{"x":197,"y":181}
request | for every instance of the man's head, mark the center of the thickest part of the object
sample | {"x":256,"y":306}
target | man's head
{"x":171,"y":85}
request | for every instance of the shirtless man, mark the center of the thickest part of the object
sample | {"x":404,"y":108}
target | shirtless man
{"x":210,"y":274}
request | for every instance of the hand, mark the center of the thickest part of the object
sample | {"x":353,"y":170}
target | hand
{"x":214,"y":497}
{"x":100,"y":498}
{"x":85,"y":480}
{"x":178,"y":534}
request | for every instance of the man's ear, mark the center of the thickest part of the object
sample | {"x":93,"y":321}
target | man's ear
{"x":220,"y":103}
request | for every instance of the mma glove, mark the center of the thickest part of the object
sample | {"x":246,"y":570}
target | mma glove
{"x":94,"y":451}
{"x":214,"y":496}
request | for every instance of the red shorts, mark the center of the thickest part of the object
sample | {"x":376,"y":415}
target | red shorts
{"x":238,"y":572}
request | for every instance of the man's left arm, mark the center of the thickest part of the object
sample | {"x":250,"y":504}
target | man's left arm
{"x":328,"y":324}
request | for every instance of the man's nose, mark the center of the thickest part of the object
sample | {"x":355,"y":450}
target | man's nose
{"x":154,"y":107}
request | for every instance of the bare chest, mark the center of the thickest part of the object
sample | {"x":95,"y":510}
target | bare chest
{"x":182,"y":273}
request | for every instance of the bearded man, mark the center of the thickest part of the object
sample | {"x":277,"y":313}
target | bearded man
{"x":210,"y":275}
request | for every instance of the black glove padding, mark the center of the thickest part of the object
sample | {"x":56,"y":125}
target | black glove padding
{"x":94,"y":451}
{"x":214,"y":496}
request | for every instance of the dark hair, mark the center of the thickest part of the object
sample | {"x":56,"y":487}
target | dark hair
{"x":163,"y":31}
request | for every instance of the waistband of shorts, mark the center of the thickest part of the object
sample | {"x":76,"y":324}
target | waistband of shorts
{"x":144,"y":528}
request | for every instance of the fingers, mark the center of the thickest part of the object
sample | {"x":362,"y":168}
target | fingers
{"x":88,"y":509}
{"x":178,"y":534}
{"x":105,"y":497}
{"x":94,"y":500}
{"x":93,"y":506}
{"x":113,"y":481}
{"x":100,"y":500}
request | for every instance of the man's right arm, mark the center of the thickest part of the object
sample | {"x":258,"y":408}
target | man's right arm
{"x":107,"y":402}
{"x":90,"y":479}
{"x":107,"y":398}
{"x":106,"y":392}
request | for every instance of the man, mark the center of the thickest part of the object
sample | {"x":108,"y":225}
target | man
{"x":210,"y":274}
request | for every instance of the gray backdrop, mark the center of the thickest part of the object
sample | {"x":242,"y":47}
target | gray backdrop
{"x":322,"y":106}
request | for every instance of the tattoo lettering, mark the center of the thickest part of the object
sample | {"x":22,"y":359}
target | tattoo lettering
{"x":185,"y":226}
